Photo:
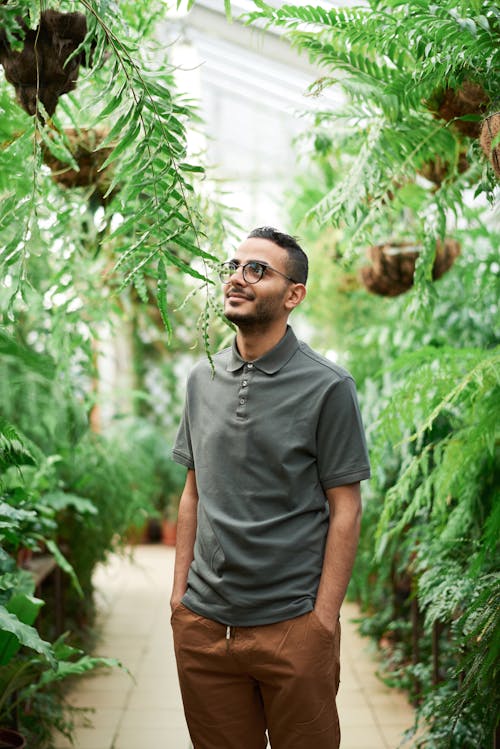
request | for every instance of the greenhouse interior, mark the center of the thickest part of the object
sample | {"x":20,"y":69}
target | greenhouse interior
{"x":141,"y":143}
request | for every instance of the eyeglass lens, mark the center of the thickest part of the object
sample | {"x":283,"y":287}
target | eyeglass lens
{"x":252,"y":272}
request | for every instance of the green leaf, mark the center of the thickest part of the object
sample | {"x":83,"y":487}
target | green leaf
{"x":84,"y":665}
{"x":42,"y":364}
{"x":124,"y":143}
{"x":64,"y":564}
{"x":129,"y":115}
{"x":55,"y":144}
{"x":162,"y":297}
{"x":60,"y":500}
{"x":111,"y":106}
{"x":26,"y":635}
{"x":25,"y":607}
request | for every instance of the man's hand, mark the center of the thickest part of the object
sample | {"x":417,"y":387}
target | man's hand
{"x":340,"y":550}
{"x":174,"y":602}
{"x":186,"y":533}
{"x":326,"y":618}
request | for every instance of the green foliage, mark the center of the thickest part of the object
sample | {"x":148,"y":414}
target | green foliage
{"x":31,"y":680}
{"x":144,"y":185}
{"x":396,"y":62}
{"x":426,"y":364}
{"x":26,"y":678}
{"x":15,"y":630}
{"x":89,"y":247}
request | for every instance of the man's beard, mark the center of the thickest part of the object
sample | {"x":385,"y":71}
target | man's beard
{"x":264,"y":312}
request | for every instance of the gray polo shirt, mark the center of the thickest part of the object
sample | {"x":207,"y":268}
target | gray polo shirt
{"x":266,"y":439}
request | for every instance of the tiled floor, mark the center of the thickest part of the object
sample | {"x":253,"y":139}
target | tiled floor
{"x":144,"y":708}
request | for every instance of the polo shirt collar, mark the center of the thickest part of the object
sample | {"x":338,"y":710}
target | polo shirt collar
{"x":273,"y":360}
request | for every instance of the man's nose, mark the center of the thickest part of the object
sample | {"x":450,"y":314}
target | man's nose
{"x":237,"y":275}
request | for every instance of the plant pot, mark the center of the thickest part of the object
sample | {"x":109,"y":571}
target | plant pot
{"x":169,"y":532}
{"x":10,"y":739}
{"x":393,"y":266}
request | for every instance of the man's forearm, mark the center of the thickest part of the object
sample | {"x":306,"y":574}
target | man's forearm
{"x":186,"y":534}
{"x":340,"y":551}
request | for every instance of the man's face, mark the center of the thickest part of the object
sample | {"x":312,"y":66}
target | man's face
{"x":259,"y":304}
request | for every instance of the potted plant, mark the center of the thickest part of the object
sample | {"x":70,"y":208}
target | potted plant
{"x":169,"y":526}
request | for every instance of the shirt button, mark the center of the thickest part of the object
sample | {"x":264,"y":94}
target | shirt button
{"x":242,"y":401}
{"x":244,"y":383}
{"x":250,"y":366}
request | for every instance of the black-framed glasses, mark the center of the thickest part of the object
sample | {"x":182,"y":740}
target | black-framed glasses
{"x":252,"y":271}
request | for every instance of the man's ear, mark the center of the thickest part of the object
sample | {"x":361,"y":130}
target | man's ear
{"x":296,"y":294}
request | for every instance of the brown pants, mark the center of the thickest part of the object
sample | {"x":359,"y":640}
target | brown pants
{"x":238,"y":682}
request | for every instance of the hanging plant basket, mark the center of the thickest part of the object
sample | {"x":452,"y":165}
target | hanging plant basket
{"x":490,"y":129}
{"x":10,"y":739}
{"x":437,"y":170}
{"x":469,"y":98}
{"x":42,"y":70}
{"x":393,"y":265}
{"x":84,"y":147}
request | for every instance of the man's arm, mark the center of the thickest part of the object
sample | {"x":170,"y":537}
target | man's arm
{"x":186,"y":533}
{"x":341,"y":545}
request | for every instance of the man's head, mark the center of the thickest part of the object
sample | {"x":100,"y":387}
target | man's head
{"x":264,"y":281}
{"x":297,"y":263}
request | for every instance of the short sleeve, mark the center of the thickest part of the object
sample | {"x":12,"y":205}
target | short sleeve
{"x":182,"y":451}
{"x":341,"y":444}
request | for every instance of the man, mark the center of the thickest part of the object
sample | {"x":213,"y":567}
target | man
{"x":268,"y":520}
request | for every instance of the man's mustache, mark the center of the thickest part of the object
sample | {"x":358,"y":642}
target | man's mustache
{"x":233,"y":291}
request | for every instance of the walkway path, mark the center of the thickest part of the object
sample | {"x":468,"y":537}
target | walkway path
{"x":146,"y":711}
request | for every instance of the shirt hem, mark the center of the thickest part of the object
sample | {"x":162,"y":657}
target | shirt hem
{"x":245,"y":619}
{"x":182,"y":459}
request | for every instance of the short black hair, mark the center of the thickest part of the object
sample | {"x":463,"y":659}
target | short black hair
{"x":297,"y":263}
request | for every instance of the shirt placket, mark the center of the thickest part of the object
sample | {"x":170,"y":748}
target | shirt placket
{"x":244,"y":385}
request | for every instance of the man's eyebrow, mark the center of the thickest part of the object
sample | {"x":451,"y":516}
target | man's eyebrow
{"x":251,"y":260}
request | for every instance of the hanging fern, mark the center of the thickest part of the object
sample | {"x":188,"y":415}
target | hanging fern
{"x":398,"y":62}
{"x":150,"y":206}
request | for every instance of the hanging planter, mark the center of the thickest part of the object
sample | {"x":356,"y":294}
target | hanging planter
{"x":84,"y":147}
{"x":453,"y":103}
{"x":10,"y":739}
{"x":490,"y":129}
{"x":393,"y":265}
{"x":437,"y":170}
{"x":42,"y":70}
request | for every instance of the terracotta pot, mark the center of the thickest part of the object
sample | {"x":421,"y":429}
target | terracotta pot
{"x":169,"y":528}
{"x":10,"y":739}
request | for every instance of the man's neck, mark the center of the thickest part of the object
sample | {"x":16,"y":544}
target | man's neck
{"x":252,"y":344}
